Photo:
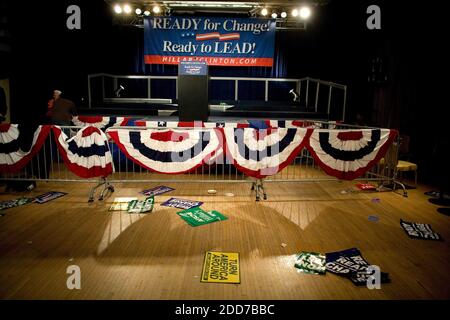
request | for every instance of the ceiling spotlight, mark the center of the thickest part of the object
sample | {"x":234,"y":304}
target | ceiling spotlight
{"x":138,"y":11}
{"x":127,"y":8}
{"x":264,"y":12}
{"x":146,"y":13}
{"x":274,"y":15}
{"x":295,"y":13}
{"x":117,"y":9}
{"x":284,"y":14}
{"x":305,"y":12}
{"x":156,"y":9}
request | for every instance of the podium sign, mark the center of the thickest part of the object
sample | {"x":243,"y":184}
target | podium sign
{"x":193,"y":80}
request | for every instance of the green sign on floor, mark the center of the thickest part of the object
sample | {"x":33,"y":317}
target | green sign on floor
{"x":196,"y":216}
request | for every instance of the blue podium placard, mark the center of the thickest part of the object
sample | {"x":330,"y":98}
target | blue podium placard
{"x":193,"y":68}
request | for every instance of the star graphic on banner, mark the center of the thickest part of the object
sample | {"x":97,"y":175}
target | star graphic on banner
{"x":161,"y":123}
{"x":220,"y":125}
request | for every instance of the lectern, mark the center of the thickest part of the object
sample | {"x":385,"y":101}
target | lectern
{"x":193,"y":80}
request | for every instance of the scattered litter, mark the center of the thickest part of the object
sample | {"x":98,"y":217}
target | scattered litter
{"x":121,"y":204}
{"x":14,"y":203}
{"x":365,"y":186}
{"x":71,"y":259}
{"x":284,"y":245}
{"x":138,"y":206}
{"x":310,"y":262}
{"x":181,"y":203}
{"x":419,"y":230}
{"x":212,"y":191}
{"x":374,"y":218}
{"x":196,"y":216}
{"x":229,"y":267}
{"x":351,"y":265}
{"x":157,"y":190}
{"x":344,"y":192}
{"x":376,"y":200}
{"x":229,"y":194}
{"x":195,"y":276}
{"x":49,"y":196}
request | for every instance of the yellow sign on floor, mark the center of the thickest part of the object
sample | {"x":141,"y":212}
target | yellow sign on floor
{"x":221,"y":267}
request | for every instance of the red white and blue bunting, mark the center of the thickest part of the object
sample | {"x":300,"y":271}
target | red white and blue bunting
{"x":348,"y":154}
{"x":344,"y":154}
{"x":86,"y":154}
{"x":168,"y":151}
{"x":99,"y":121}
{"x":12,"y":158}
{"x":264,"y":152}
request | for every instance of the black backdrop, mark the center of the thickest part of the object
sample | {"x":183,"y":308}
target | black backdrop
{"x":336,"y":46}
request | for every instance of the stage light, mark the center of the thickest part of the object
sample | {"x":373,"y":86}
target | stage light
{"x":294,"y":12}
{"x":146,"y":13}
{"x":264,"y":12}
{"x":156,"y":9}
{"x":138,"y":11}
{"x":274,"y":15}
{"x":117,"y":9}
{"x":284,"y":14}
{"x":127,"y":8}
{"x":305,"y":12}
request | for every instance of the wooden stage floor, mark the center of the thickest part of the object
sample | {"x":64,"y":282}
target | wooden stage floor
{"x":159,"y":256}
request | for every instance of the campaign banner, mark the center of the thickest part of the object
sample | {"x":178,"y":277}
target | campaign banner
{"x":234,"y":42}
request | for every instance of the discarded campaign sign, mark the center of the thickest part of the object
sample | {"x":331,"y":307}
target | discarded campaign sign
{"x":121,"y":204}
{"x":350,"y":264}
{"x":419,"y":230}
{"x":198,"y":217}
{"x":49,"y":196}
{"x":138,"y":206}
{"x":310,"y":262}
{"x":221,"y":267}
{"x":181,"y":203}
{"x":14,"y":203}
{"x":157,"y":190}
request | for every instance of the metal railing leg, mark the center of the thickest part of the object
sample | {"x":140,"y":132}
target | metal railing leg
{"x":107,"y":187}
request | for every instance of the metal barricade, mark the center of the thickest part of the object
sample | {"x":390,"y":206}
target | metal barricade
{"x":48,"y":165}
